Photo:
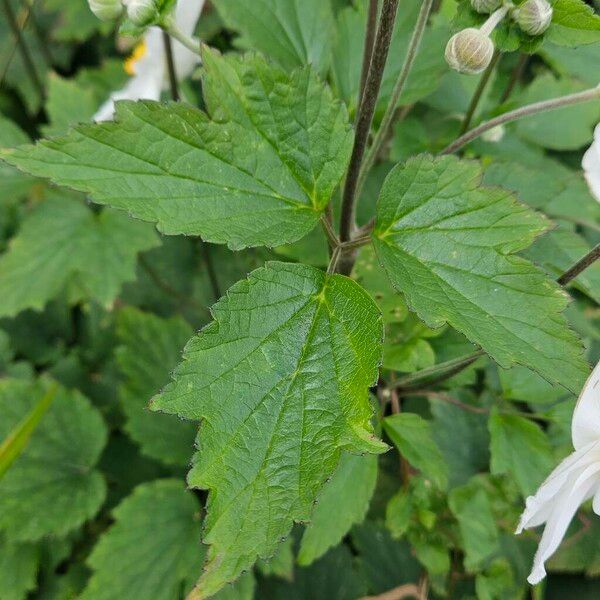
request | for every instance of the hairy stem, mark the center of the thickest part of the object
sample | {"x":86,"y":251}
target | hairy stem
{"x":171,"y":27}
{"x":369,"y":43}
{"x":587,"y":261}
{"x":23,"y":49}
{"x":171,"y":66}
{"x":524,"y":111}
{"x":390,"y":113}
{"x":365,"y":115}
{"x":483,"y":81}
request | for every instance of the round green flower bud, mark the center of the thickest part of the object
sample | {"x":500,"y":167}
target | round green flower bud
{"x":142,"y":12}
{"x":534,"y":16}
{"x":486,"y":7}
{"x":106,"y":10}
{"x":469,"y":51}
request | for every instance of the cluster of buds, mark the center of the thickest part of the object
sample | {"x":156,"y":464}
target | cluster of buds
{"x":139,"y":12}
{"x":471,"y":50}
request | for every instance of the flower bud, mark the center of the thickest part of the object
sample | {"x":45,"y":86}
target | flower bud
{"x":106,"y":10}
{"x":469,"y":51}
{"x":485,"y":6}
{"x":142,"y":12}
{"x":534,"y":16}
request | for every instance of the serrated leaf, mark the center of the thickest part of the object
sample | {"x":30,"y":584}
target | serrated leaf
{"x":413,"y":437}
{"x":150,"y":348}
{"x":478,"y":530}
{"x":13,"y":184}
{"x":522,"y":384}
{"x":519,"y":448}
{"x":343,"y":502}
{"x":573,"y":23}
{"x":280,"y":378}
{"x":281,"y":564}
{"x":52,"y":487}
{"x":153,"y":549}
{"x":260,"y":173}
{"x":292,"y":32}
{"x":63,"y":245}
{"x":446,"y":243}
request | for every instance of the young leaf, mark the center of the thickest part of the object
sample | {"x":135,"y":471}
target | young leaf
{"x":293,"y":32}
{"x":413,"y":437}
{"x":62,"y":244}
{"x":150,"y":349}
{"x":446,"y":243}
{"x":521,"y":449}
{"x":52,"y":487}
{"x":153,"y":550}
{"x":343,"y":502}
{"x":280,"y":378}
{"x":260,"y":173}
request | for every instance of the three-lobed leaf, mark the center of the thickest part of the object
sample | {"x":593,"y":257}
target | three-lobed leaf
{"x":261,"y":172}
{"x":280,"y":380}
{"x":448,"y":245}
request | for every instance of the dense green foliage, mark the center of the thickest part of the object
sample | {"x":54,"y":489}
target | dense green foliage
{"x":226,"y":413}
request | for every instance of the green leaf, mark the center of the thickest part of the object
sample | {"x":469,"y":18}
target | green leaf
{"x":343,"y":502}
{"x":413,"y":437}
{"x":13,"y":184}
{"x":260,"y":173}
{"x":567,"y":128}
{"x":281,"y":564}
{"x":573,"y":62}
{"x":398,"y":513}
{"x":63,"y":245}
{"x":573,"y":23}
{"x":150,"y":348}
{"x":68,"y":104}
{"x":521,"y":449}
{"x":446,"y":243}
{"x":522,"y":384}
{"x":496,"y":582}
{"x":18,"y":569}
{"x":293,"y":32}
{"x":476,"y":523}
{"x":558,"y":251}
{"x":463,"y":438}
{"x":153,"y":549}
{"x":427,"y":70}
{"x":52,"y":487}
{"x":387,"y":563}
{"x":16,"y":441}
{"x":280,"y":378}
{"x":334,"y":577}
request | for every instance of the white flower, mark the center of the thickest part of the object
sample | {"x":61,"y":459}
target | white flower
{"x":574,"y":481}
{"x":591,"y":164}
{"x":148,"y":64}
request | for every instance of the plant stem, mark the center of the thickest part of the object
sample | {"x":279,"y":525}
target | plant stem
{"x":332,"y":237}
{"x":369,"y":43}
{"x":390,"y":112}
{"x":333,"y":261}
{"x":210,"y":268}
{"x":587,"y":261}
{"x":171,"y":27}
{"x":516,"y":74}
{"x":366,"y":111}
{"x":483,"y":81}
{"x":524,"y":111}
{"x":171,"y":66}
{"x":23,"y":49}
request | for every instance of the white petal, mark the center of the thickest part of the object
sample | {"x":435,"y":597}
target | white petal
{"x":187,"y":14}
{"x":577,"y":489}
{"x":585,"y":427}
{"x":146,"y":86}
{"x":538,"y":508}
{"x":591,"y":164}
{"x":596,"y":502}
